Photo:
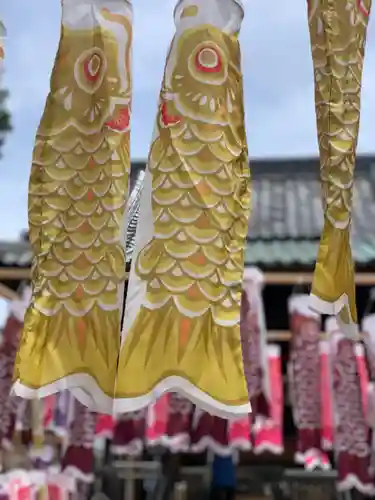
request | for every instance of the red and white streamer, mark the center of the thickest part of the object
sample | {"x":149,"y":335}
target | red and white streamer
{"x":129,"y":434}
{"x":268,"y":431}
{"x":8,"y":351}
{"x":254,"y":343}
{"x":78,"y":460}
{"x":105,"y":426}
{"x":305,"y":372}
{"x":326,"y":407}
{"x":368,"y":328}
{"x":351,"y":432}
{"x":157,"y":421}
{"x":34,"y":484}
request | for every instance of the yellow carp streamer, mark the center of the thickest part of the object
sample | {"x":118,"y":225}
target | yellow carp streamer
{"x":338,"y":37}
{"x":182,"y":324}
{"x":77,"y":196}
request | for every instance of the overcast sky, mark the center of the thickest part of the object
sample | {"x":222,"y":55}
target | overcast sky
{"x":278,"y":84}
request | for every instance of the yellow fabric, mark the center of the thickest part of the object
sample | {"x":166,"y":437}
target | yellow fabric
{"x":338,"y":35}
{"x":77,"y":195}
{"x":183,"y":305}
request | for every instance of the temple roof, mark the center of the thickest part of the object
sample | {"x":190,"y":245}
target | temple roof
{"x":287,"y":216}
{"x":286,"y":220}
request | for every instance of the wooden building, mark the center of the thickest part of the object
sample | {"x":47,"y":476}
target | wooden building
{"x":283,"y":239}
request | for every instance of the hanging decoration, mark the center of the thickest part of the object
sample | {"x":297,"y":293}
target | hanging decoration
{"x":368,"y":327}
{"x":254,"y":343}
{"x":48,"y":410}
{"x":268,"y":432}
{"x":77,"y":219}
{"x":31,"y":485}
{"x":182,"y":323}
{"x":176,"y":412}
{"x":219,"y":436}
{"x":351,"y":433}
{"x":78,"y":459}
{"x":338,"y":37}
{"x":364,"y":379}
{"x":305,"y":382}
{"x":104,"y":426}
{"x":129,"y":434}
{"x":8,"y":351}
{"x":62,"y":415}
{"x":157,"y":422}
{"x":326,"y":396}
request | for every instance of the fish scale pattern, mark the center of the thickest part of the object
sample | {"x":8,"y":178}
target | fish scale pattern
{"x":77,"y":196}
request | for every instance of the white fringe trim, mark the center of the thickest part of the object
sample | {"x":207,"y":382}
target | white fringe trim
{"x":84,"y":388}
{"x":78,"y":475}
{"x":353,"y":482}
{"x":188,"y":390}
{"x":333,"y":309}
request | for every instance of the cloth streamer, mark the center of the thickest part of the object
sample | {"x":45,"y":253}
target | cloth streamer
{"x":78,"y":460}
{"x":326,"y":397}
{"x":62,"y":415}
{"x":129,"y":433}
{"x":305,"y":381}
{"x":268,"y":432}
{"x":8,"y":405}
{"x":253,"y":339}
{"x":182,"y":322}
{"x":104,"y":426}
{"x":78,"y":191}
{"x":338,"y":36}
{"x":368,"y":327}
{"x":351,"y":433}
{"x":8,"y":351}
